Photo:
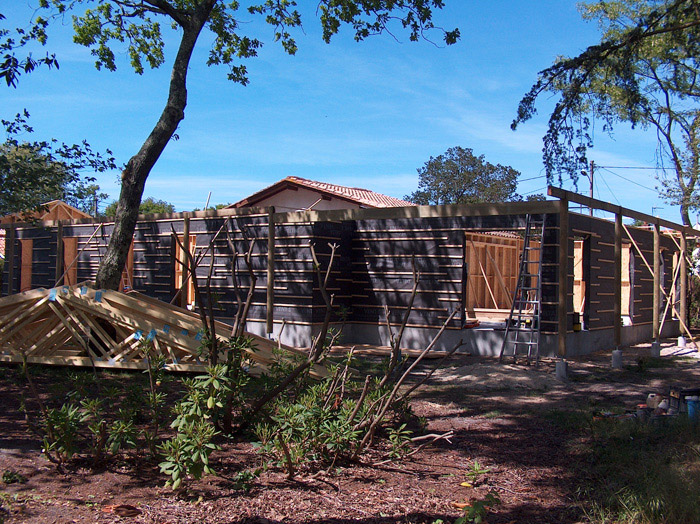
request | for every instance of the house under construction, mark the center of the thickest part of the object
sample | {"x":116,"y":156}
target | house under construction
{"x":544,"y":278}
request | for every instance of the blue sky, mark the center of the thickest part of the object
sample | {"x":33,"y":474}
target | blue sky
{"x":361,"y":114}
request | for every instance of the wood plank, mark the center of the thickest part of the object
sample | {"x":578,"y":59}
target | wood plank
{"x":562,"y":307}
{"x":59,"y":253}
{"x":656,"y":299}
{"x":270,"y":317}
{"x":611,"y":208}
{"x":27,"y":316}
{"x":451,"y":210}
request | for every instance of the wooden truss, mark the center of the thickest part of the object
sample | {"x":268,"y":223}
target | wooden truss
{"x":80,"y":325}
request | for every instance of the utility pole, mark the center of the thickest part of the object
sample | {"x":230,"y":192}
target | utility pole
{"x":591,"y":177}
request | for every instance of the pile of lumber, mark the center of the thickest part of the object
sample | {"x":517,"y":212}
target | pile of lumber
{"x":80,"y":325}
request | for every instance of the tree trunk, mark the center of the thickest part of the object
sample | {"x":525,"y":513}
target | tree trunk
{"x":685,"y":214}
{"x":139,"y":166}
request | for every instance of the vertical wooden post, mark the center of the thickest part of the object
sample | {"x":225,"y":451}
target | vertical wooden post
{"x":270,"y":269}
{"x":617,"y":305}
{"x":59,"y":254}
{"x":10,"y":258}
{"x":683,"y":310}
{"x":185,"y":268}
{"x":657,"y":283}
{"x":562,"y":308}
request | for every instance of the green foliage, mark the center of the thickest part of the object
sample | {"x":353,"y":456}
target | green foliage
{"x":12,"y":477}
{"x":643,"y":72}
{"x":96,"y":424}
{"x":62,"y":432}
{"x":34,"y":173}
{"x":308,"y":430}
{"x":214,"y":207}
{"x":12,"y":66}
{"x":139,"y":26}
{"x":400,"y":440}
{"x":122,"y":434}
{"x":148,"y":206}
{"x":459,"y":177}
{"x":476,"y":472}
{"x":477,"y":511}
{"x":187,"y":453}
{"x":244,"y":479}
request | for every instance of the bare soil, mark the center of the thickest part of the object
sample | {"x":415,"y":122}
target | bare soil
{"x":508,"y":418}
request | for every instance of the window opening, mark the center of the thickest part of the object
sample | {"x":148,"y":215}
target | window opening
{"x":70,"y":264}
{"x":582,"y":278}
{"x":181,"y":275}
{"x":26,"y":259}
{"x":127,"y":280}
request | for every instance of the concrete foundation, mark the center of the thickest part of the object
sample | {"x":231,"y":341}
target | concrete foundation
{"x":479,"y":341}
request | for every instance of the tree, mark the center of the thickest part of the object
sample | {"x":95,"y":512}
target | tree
{"x":645,"y":72}
{"x":138,"y":24}
{"x":33,"y":173}
{"x":148,"y":206}
{"x":459,"y":177}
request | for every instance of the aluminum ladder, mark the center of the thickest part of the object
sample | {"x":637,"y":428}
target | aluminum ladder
{"x":523,"y":324}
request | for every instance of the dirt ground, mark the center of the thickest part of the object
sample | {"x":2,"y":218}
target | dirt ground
{"x":502,"y":416}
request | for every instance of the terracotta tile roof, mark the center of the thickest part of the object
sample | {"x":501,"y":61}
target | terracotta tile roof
{"x":364,"y":197}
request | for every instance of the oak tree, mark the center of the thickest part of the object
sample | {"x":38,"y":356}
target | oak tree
{"x":459,"y":177}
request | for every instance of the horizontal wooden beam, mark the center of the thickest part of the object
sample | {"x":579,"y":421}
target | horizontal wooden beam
{"x":612,"y":208}
{"x":461,"y":210}
{"x":154,"y":217}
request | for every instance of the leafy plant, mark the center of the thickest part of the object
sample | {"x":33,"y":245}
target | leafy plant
{"x":315,"y":427}
{"x":156,"y":400}
{"x":476,"y":511}
{"x":400,"y":439}
{"x":12,"y":477}
{"x":187,"y":453}
{"x":244,"y":479}
{"x":62,"y":431}
{"x":96,"y":424}
{"x":476,"y":472}
{"x":121,"y":434}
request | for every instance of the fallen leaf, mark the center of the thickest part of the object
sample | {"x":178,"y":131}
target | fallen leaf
{"x":122,"y":510}
{"x":461,"y":505}
{"x":467,"y":484}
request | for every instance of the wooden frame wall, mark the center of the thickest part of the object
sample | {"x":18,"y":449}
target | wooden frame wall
{"x":373,"y":266}
{"x":648,"y":282}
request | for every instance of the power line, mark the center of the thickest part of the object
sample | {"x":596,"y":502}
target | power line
{"x":630,"y":180}
{"x":636,"y":167}
{"x":609,"y":189}
{"x":535,"y":191}
{"x":532,"y":178}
